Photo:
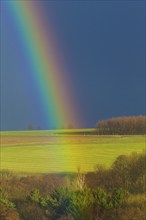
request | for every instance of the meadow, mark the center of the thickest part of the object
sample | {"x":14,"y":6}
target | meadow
{"x":64,"y":150}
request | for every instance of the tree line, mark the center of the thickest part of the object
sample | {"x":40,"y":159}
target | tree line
{"x":126,"y":125}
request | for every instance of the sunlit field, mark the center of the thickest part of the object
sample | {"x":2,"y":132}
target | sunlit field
{"x":64,"y":150}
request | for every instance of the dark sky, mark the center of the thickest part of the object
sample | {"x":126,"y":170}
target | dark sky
{"x":103,"y":45}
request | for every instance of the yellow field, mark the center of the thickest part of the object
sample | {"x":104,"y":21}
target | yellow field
{"x":51,"y":152}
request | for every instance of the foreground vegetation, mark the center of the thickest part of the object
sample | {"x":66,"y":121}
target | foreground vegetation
{"x":107,"y":193}
{"x":44,"y":152}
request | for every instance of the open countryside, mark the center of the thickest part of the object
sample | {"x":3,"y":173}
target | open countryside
{"x":64,"y":151}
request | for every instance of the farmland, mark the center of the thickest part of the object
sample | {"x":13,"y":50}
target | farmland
{"x":63,"y":151}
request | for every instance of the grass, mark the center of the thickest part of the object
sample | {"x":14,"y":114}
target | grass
{"x":63,"y":150}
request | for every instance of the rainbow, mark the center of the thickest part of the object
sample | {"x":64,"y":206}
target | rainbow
{"x":48,"y":71}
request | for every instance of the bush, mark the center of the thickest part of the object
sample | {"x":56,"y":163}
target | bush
{"x":128,"y":172}
{"x":7,"y":208}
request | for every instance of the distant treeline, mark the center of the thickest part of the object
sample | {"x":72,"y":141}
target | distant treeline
{"x":127,"y":125}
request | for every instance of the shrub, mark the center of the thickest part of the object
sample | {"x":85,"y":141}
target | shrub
{"x":128,"y":172}
{"x":7,"y":208}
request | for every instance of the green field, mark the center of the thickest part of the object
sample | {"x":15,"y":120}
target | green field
{"x":51,"y":152}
